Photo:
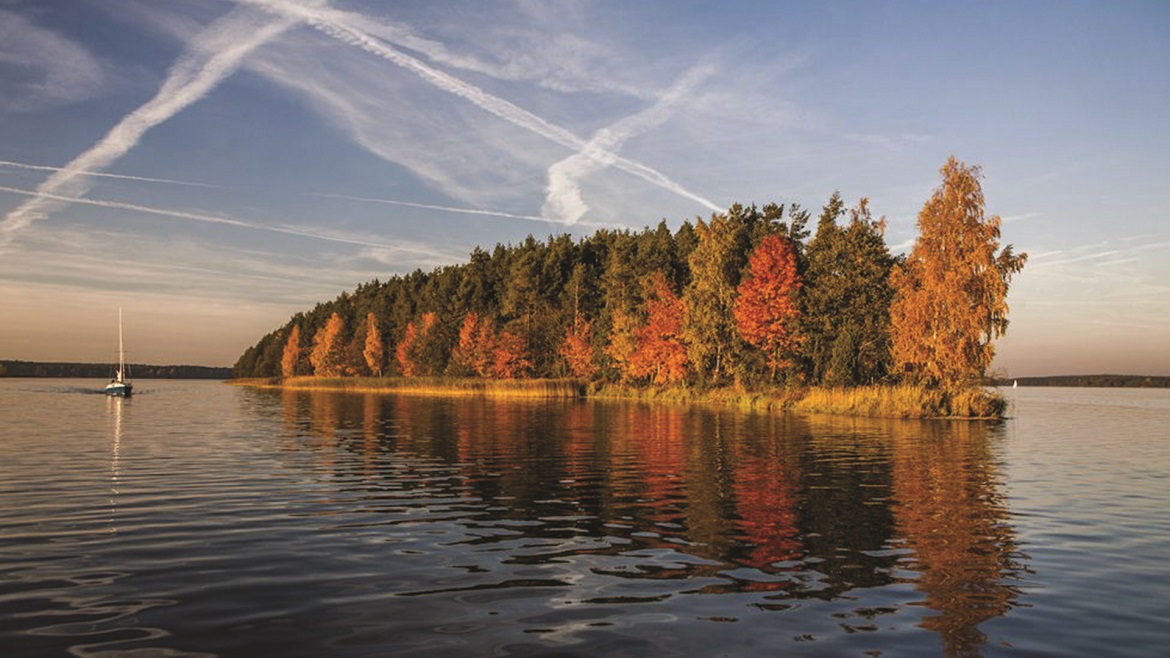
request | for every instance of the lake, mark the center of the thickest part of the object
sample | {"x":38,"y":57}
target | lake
{"x":200,"y":519}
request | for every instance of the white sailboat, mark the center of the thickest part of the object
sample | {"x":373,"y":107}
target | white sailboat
{"x":120,"y":385}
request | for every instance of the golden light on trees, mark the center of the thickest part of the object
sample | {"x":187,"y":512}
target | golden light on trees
{"x":766,"y":310}
{"x":951,"y":293}
{"x":577,"y":348}
{"x":412,"y":350}
{"x":660,"y":353}
{"x":292,"y":353}
{"x":374,"y":352}
{"x":328,"y":355}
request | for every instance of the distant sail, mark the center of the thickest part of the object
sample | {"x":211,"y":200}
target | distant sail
{"x":120,"y":385}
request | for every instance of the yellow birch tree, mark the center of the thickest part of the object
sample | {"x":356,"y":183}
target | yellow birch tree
{"x":951,"y":293}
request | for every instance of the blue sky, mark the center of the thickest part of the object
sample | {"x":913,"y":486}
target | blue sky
{"x":215,"y":166}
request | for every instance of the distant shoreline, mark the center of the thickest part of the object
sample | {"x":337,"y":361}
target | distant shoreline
{"x":1090,"y":381}
{"x":14,"y":369}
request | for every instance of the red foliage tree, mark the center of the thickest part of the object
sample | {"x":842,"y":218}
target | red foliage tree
{"x":511,"y":357}
{"x":659,"y":351}
{"x":477,"y":343}
{"x":766,"y":309}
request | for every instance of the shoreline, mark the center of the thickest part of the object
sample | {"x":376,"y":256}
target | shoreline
{"x":895,"y":401}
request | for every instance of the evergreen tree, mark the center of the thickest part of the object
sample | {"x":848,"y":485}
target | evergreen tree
{"x":847,"y":291}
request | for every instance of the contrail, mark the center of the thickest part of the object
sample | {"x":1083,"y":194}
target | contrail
{"x":340,"y":26}
{"x":98,"y":174}
{"x":328,"y":195}
{"x":426,"y":206}
{"x":213,"y":55}
{"x":215,"y":219}
{"x":564,"y":194}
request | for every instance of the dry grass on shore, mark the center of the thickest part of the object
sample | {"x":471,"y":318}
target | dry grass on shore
{"x":438,"y":386}
{"x":903,"y":402}
{"x":872,"y":401}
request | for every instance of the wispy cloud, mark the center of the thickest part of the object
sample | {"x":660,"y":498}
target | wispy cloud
{"x":99,"y":174}
{"x":326,"y":235}
{"x":212,"y":56}
{"x":564,"y":200}
{"x":41,"y":67}
{"x":350,"y":28}
{"x":427,"y":206}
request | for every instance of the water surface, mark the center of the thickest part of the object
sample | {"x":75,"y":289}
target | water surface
{"x":198,"y":519}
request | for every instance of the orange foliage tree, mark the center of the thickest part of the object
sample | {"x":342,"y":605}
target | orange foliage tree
{"x":767,"y":310}
{"x":374,"y":352}
{"x":577,"y":348}
{"x":477,"y":343}
{"x":511,"y":357}
{"x":292,"y":353}
{"x":951,"y":293}
{"x":410,"y":350}
{"x":659,"y":351}
{"x":328,"y":355}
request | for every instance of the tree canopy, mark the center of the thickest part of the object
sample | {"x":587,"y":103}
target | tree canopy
{"x":739,"y":298}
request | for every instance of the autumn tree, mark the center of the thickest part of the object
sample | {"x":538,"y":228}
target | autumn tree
{"x":413,"y":351}
{"x":475,"y":351}
{"x":292,"y":353}
{"x":767,"y":307}
{"x":375,"y":351}
{"x":577,"y":348}
{"x":659,"y":351}
{"x":951,"y":293}
{"x":511,"y":357}
{"x":711,"y":295}
{"x":328,"y":355}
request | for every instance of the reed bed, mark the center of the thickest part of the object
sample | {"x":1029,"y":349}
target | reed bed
{"x":436,"y":386}
{"x":873,"y":401}
{"x":903,"y":402}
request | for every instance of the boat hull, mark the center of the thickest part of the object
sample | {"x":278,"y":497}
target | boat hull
{"x":119,"y":390}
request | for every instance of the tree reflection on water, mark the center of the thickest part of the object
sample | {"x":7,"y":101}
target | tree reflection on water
{"x":778,"y":507}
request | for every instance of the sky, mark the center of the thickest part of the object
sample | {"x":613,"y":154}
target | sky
{"x":215,"y":166}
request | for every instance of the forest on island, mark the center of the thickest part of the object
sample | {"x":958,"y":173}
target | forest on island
{"x":754,"y":297}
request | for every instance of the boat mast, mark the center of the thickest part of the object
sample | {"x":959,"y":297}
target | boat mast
{"x":121,"y":352}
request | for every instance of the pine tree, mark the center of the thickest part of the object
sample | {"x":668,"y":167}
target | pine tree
{"x":847,"y":289}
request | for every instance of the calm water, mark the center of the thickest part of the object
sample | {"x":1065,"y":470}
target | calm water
{"x":199,"y":519}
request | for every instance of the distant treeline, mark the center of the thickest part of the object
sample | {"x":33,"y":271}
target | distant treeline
{"x":754,"y":297}
{"x":1098,"y":381}
{"x":104,"y":370}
